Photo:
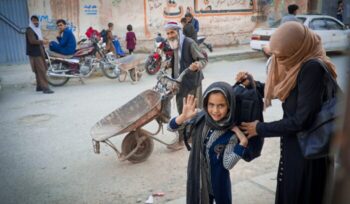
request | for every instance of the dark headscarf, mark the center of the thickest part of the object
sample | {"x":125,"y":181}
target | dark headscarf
{"x":228,"y":121}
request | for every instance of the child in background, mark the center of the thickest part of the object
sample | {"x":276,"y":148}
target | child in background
{"x":217,"y":144}
{"x":130,"y":39}
{"x":109,"y":43}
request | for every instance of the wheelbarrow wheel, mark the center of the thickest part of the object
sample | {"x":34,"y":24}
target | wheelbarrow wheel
{"x":145,"y":149}
{"x":122,"y":76}
{"x":133,"y":75}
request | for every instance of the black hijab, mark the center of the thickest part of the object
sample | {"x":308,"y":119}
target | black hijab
{"x":228,"y":121}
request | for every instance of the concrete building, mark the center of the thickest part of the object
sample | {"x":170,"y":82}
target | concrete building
{"x":224,"y":22}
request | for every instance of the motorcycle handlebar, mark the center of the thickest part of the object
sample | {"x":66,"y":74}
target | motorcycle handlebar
{"x":82,"y":40}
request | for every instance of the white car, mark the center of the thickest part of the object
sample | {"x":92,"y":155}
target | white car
{"x":335,"y":36}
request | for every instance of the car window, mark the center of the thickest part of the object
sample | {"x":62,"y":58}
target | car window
{"x":301,"y":19}
{"x":333,"y":25}
{"x":275,"y":24}
{"x":318,"y":24}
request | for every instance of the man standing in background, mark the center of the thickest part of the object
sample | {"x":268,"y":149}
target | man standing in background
{"x":340,"y":11}
{"x":35,"y":51}
{"x":188,"y":29}
{"x":193,"y":21}
{"x":292,"y":12}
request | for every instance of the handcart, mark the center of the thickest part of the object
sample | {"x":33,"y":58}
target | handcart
{"x":128,"y":64}
{"x":152,"y":104}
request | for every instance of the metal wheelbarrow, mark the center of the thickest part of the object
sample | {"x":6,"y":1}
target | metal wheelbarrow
{"x":152,"y":104}
{"x":128,"y":64}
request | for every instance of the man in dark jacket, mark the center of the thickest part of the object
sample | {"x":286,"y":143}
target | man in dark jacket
{"x":188,"y":29}
{"x":193,"y":21}
{"x":66,"y":41}
{"x":35,"y":51}
{"x":187,"y":54}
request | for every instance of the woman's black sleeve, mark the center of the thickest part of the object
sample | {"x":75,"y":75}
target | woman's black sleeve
{"x":310,"y":87}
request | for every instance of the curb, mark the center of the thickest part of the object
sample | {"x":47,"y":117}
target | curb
{"x":237,"y":56}
{"x":213,"y":58}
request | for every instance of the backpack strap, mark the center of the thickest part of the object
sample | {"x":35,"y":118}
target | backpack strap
{"x":187,"y":130}
{"x":329,"y":75}
{"x":332,"y":87}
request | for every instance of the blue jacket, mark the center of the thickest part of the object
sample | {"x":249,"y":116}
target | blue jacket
{"x":67,"y":41}
{"x":66,"y":44}
{"x":195,"y":24}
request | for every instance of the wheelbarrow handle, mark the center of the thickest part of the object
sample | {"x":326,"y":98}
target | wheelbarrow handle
{"x":179,"y":79}
{"x":163,"y":79}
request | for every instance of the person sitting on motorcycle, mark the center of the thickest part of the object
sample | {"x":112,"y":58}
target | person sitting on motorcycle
{"x":66,"y":41}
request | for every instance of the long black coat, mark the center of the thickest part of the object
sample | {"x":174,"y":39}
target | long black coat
{"x":299,"y":181}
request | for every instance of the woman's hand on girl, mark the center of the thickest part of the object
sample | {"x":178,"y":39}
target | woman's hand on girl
{"x":249,"y":128}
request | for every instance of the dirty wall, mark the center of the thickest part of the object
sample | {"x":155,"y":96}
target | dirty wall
{"x":224,"y":22}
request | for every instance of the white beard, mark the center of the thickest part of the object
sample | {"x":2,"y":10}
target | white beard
{"x":174,"y":44}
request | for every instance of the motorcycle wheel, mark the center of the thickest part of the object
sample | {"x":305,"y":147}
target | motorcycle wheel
{"x":108,"y":71}
{"x":132,"y":73}
{"x":152,"y":67}
{"x":57,"y":81}
{"x":145,"y":149}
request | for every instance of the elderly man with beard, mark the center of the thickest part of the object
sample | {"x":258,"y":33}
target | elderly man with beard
{"x":187,"y":54}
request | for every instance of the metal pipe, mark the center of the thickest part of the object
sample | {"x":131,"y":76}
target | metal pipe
{"x":12,"y":24}
{"x":109,"y":143}
{"x":62,"y":75}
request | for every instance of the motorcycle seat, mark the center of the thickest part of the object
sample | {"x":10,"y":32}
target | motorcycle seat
{"x":58,"y":55}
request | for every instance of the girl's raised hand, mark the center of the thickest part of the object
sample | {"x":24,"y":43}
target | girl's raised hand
{"x":188,"y":109}
{"x":189,"y":106}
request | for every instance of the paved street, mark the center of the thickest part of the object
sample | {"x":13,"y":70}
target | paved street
{"x":47,"y":157}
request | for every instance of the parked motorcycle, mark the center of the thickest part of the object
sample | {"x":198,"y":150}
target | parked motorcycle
{"x":161,"y":56}
{"x":201,"y":39}
{"x":80,"y":65}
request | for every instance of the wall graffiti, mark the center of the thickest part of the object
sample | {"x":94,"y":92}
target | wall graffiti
{"x":152,"y":11}
{"x":174,"y":10}
{"x":49,"y":24}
